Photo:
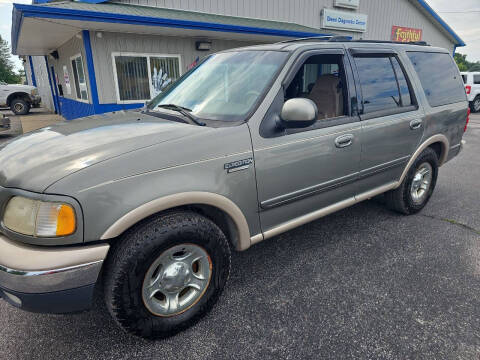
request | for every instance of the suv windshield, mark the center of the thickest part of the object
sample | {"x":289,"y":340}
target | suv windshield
{"x":225,"y":86}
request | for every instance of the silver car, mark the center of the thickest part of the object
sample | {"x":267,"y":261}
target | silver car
{"x":250,"y":143}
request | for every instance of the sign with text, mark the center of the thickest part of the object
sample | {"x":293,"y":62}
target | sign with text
{"x":342,"y":20}
{"x":350,"y":4}
{"x":406,"y":34}
{"x":66,"y":77}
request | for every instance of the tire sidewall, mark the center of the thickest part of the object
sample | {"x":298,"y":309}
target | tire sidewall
{"x":129,"y":301}
{"x":431,"y":158}
{"x":26,"y":107}
{"x":472,"y":107}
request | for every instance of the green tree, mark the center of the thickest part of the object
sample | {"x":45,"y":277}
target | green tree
{"x":7,"y":72}
{"x":461,"y":61}
{"x":464,"y":64}
{"x":475,"y":67}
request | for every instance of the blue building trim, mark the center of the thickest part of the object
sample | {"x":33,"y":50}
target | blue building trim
{"x":90,"y":68}
{"x":55,"y":105}
{"x":73,"y":109}
{"x":21,"y":11}
{"x":432,"y":12}
{"x":32,"y":72}
{"x":55,"y":87}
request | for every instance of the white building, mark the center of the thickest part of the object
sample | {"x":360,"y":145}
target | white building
{"x":93,"y":56}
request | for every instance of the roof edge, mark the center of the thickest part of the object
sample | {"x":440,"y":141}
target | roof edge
{"x":20,"y":11}
{"x":441,"y":22}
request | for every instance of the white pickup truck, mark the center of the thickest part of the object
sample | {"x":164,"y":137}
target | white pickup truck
{"x":19,"y":98}
{"x":472,"y":87}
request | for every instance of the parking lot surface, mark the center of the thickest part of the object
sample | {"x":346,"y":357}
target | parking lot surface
{"x":361,"y":283}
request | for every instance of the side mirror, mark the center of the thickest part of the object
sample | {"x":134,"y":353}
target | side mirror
{"x":299,"y":113}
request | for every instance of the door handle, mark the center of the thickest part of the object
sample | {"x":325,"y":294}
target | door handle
{"x":415,"y":124}
{"x":344,"y":141}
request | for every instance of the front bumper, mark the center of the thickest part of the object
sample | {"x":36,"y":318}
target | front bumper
{"x":53,"y":280}
{"x":36,"y":99}
{"x":4,"y":124}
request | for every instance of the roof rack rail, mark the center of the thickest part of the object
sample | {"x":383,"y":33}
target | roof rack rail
{"x":310,"y":38}
{"x":341,"y":38}
{"x":421,"y":43}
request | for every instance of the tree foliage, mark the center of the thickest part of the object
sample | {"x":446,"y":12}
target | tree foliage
{"x":7,"y":72}
{"x":464,"y":64}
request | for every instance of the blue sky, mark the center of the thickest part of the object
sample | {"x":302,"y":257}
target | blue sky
{"x":462,"y":16}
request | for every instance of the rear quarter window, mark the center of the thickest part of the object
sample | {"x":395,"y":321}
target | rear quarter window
{"x":439,"y":77}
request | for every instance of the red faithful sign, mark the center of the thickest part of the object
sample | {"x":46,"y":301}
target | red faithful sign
{"x":406,"y":34}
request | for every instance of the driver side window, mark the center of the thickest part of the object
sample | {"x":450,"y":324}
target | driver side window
{"x":321,"y":79}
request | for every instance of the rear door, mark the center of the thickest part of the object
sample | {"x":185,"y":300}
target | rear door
{"x":391,"y":119}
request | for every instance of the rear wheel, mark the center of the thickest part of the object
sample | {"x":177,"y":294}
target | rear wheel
{"x":166,"y":274}
{"x":417,"y":187}
{"x":20,"y":107}
{"x":475,"y":104}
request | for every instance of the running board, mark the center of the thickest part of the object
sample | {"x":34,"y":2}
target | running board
{"x":302,"y":220}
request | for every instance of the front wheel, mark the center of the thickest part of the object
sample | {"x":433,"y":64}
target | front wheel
{"x":166,"y":274}
{"x":416,"y":189}
{"x":475,"y":104}
{"x":20,"y":107}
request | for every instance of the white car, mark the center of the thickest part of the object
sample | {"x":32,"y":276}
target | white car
{"x":19,"y":98}
{"x":472,"y":87}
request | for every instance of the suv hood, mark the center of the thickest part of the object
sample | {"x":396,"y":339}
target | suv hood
{"x":36,"y":160}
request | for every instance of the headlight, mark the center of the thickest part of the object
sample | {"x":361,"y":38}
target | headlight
{"x":34,"y":92}
{"x":39,"y":218}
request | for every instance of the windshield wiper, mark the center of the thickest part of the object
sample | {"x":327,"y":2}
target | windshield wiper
{"x":184,"y":111}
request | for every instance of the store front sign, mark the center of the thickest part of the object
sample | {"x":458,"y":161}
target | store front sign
{"x":406,"y":34}
{"x":342,"y":20}
{"x":349,"y":4}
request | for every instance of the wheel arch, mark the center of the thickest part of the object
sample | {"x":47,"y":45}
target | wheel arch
{"x":439,"y":143}
{"x":221,"y":210}
{"x":15,"y":95}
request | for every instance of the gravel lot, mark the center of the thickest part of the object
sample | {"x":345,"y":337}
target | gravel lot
{"x":361,"y":283}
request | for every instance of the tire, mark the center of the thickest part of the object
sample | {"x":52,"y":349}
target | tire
{"x":402,"y":199}
{"x":475,"y":104}
{"x":131,"y":260}
{"x":20,"y":107}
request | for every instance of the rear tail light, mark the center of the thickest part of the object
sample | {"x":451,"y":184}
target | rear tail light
{"x":468,"y":119}
{"x":468,"y":89}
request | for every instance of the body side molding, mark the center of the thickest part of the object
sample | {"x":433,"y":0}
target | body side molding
{"x":187,"y":198}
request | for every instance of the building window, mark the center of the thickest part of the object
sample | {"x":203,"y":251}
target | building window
{"x":142,"y":77}
{"x":79,"y":77}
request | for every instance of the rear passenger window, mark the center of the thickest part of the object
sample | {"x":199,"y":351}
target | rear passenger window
{"x":439,"y":76}
{"x":464,"y":77}
{"x":383,"y":82}
{"x":476,"y":79}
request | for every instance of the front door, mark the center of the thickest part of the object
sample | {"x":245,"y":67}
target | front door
{"x":300,"y":171}
{"x":392,"y":121}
